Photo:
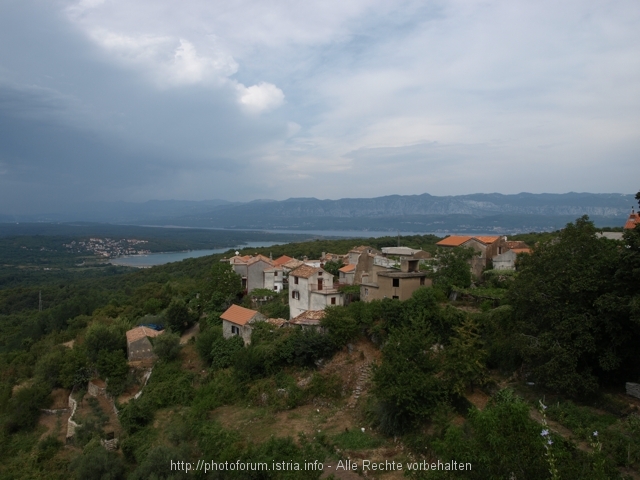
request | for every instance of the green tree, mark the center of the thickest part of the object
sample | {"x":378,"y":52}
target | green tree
{"x":98,"y":464}
{"x":167,"y":346}
{"x":406,"y":383}
{"x":178,"y":316}
{"x":453,"y":268}
{"x":226,"y":283}
{"x":574,"y":327}
{"x":224,"y":351}
{"x":102,"y":337}
{"x":464,"y":362}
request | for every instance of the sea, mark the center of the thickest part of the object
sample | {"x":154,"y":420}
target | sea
{"x":153,"y":259}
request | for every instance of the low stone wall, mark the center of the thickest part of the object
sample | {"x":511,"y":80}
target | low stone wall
{"x":633,"y":389}
{"x":95,"y":390}
{"x":71,"y":425}
{"x":57,"y":411}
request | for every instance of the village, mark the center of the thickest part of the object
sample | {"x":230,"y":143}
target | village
{"x":108,"y":247}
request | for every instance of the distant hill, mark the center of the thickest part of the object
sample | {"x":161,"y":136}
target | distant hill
{"x":492,"y":212}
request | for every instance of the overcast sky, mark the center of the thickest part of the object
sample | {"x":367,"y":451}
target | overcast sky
{"x":240,"y":100}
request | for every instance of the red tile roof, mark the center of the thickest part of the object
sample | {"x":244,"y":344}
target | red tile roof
{"x":521,"y":250}
{"x":632,"y":221}
{"x":305,"y":271}
{"x":281,"y":260}
{"x":238,"y":315}
{"x":453,"y":241}
{"x":310,"y":317}
{"x":348,"y":268}
{"x":141,"y":332}
{"x":488,"y":239}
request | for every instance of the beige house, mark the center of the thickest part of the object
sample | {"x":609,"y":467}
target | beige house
{"x":311,"y":288}
{"x":274,"y":278}
{"x":394,"y":283}
{"x":251,"y":269}
{"x":138,"y":345}
{"x":347,"y":274}
{"x":486,"y":246}
{"x":237,"y":320}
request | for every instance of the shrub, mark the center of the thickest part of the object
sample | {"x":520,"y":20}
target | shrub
{"x":167,"y":346}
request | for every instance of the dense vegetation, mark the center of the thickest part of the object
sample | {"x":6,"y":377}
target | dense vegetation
{"x":563,"y":328}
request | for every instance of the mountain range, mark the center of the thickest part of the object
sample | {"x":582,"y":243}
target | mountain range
{"x":480,"y":212}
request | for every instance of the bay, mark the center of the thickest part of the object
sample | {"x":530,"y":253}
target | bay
{"x":153,"y":259}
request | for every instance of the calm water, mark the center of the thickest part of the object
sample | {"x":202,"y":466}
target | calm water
{"x":142,"y":261}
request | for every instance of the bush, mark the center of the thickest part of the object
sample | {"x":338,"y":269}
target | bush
{"x":23,"y":409}
{"x":167,"y":346}
{"x":224,"y":351}
{"x":98,"y":464}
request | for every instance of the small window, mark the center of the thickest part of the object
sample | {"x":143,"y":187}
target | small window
{"x":275,"y":274}
{"x":295,"y":280}
{"x":235,"y":330}
{"x":295,"y":295}
{"x":366,"y":292}
{"x":396,"y":297}
{"x":333,"y":300}
{"x":396,"y":282}
{"x":319,"y":273}
{"x":421,"y":280}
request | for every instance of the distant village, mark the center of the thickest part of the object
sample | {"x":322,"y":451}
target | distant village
{"x":109,"y":248}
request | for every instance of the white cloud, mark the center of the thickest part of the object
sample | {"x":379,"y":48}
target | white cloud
{"x":260,"y":98}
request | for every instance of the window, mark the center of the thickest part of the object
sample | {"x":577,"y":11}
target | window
{"x":396,"y":297}
{"x":366,"y":292}
{"x":275,"y":274}
{"x":235,"y":330}
{"x":396,"y":282}
{"x":421,"y":280}
{"x":295,"y":280}
{"x":295,"y":295}
{"x":333,"y":300}
{"x":320,"y":273}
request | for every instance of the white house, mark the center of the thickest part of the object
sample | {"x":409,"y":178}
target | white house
{"x":311,"y":288}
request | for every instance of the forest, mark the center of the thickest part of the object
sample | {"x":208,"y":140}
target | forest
{"x":522,"y":375}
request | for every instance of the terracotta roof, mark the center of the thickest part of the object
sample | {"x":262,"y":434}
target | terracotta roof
{"x":281,"y":260}
{"x":489,"y":239}
{"x":521,"y":250}
{"x":238,"y":315}
{"x":277,"y":322}
{"x":293,"y":263}
{"x":259,"y":257}
{"x":141,"y":332}
{"x":305,"y":271}
{"x":453,"y":241}
{"x":238,"y":259}
{"x":348,"y":268}
{"x":310,"y":317}
{"x":632,"y":221}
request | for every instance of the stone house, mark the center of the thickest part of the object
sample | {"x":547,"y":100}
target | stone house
{"x":311,"y":288}
{"x":251,"y":270}
{"x":394,"y":283}
{"x":309,"y":320}
{"x":138,"y":345}
{"x":274,"y":278}
{"x":506,"y":260}
{"x":486,"y":246}
{"x":346,"y":274}
{"x":237,"y":320}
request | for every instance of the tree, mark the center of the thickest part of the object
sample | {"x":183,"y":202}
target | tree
{"x":575,"y":328}
{"x":101,"y":337}
{"x":464,"y":364}
{"x":407,"y":383}
{"x":98,"y":464}
{"x":453,"y":268}
{"x":225,"y":283}
{"x":333,"y":267}
{"x":177,"y":316}
{"x":167,"y":346}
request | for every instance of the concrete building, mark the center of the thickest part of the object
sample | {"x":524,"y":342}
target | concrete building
{"x":311,"y":288}
{"x":237,"y":320}
{"x":394,"y":283}
{"x":138,"y":345}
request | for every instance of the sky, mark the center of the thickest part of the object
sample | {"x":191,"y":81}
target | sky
{"x":105,"y":100}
